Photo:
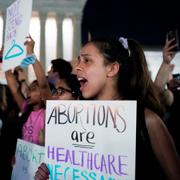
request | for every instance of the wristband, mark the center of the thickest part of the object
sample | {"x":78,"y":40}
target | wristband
{"x":29,"y":59}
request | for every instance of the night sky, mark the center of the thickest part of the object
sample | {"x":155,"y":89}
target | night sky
{"x":144,"y":20}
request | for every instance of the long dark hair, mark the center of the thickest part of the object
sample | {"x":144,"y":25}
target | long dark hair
{"x":134,"y":81}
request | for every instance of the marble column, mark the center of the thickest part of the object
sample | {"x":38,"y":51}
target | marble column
{"x":76,"y":20}
{"x":4,"y":25}
{"x":59,"y":22}
{"x":42,"y":17}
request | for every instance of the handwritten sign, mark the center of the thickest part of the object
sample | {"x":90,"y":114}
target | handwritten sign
{"x":28,"y":158}
{"x":18,"y":16}
{"x":91,"y":140}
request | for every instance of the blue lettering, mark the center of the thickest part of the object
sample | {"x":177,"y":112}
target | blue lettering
{"x":84,"y":175}
{"x":75,"y":171}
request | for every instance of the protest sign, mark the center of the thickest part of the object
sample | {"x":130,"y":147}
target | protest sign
{"x":18,"y":16}
{"x":28,"y":158}
{"x":91,"y":140}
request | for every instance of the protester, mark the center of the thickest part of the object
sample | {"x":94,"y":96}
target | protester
{"x":66,"y":84}
{"x":168,"y":85}
{"x":117,"y":70}
{"x":164,"y":74}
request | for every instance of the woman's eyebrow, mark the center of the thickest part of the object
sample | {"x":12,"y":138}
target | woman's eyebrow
{"x":84,"y":54}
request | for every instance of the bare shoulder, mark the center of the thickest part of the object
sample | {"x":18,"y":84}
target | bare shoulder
{"x":156,"y":127}
{"x":162,"y":145}
{"x":153,"y":120}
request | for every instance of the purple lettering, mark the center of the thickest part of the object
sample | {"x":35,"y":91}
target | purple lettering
{"x":121,"y":164}
{"x":90,"y":161}
{"x":103,"y":164}
{"x":95,"y":161}
{"x":111,"y":165}
{"x":50,"y":152}
{"x":60,"y":155}
{"x":68,"y":156}
{"x":82,"y":157}
{"x":74,"y":159}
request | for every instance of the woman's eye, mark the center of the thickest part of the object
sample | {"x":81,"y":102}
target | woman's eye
{"x":86,"y":60}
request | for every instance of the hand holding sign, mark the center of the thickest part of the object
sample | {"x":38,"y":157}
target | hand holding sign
{"x":18,"y":16}
{"x":29,"y":43}
{"x":30,"y":58}
{"x":42,"y":172}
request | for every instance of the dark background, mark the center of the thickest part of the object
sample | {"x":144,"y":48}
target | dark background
{"x":147,"y":21}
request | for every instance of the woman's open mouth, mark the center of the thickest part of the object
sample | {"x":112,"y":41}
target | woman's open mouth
{"x":83,"y":82}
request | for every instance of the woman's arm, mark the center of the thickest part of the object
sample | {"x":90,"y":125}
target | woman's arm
{"x":13,"y":85}
{"x":163,"y":145}
{"x":39,"y":71}
{"x":164,"y":74}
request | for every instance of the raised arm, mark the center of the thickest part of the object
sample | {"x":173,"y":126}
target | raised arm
{"x":164,"y":74}
{"x":39,"y":71}
{"x":13,"y":85}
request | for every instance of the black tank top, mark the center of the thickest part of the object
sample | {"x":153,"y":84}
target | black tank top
{"x":147,"y":166}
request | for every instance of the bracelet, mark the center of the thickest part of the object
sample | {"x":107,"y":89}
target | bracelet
{"x":29,"y":59}
{"x":32,"y":58}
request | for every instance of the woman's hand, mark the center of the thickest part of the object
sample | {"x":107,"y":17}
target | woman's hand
{"x":168,"y":54}
{"x":42,"y":173}
{"x":30,"y":57}
{"x":29,"y":43}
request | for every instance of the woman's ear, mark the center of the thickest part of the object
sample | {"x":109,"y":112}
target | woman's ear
{"x":113,"y":69}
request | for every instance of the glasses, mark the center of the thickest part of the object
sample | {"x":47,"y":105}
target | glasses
{"x":60,"y":91}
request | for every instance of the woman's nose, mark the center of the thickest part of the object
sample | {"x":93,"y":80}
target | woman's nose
{"x":78,"y":67}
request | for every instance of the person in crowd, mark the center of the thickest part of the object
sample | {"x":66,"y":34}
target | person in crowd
{"x":8,"y":108}
{"x":29,"y":125}
{"x":32,"y":108}
{"x":8,"y":113}
{"x":168,"y":85}
{"x":66,"y":84}
{"x":60,"y":68}
{"x":67,"y":88}
{"x":164,"y":74}
{"x":173,"y":111}
{"x":3,"y":105}
{"x":117,"y":70}
{"x":20,"y":76}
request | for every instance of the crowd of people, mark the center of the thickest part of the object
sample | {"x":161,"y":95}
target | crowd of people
{"x":106,"y":69}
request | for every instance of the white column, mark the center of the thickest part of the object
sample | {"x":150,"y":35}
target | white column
{"x":42,"y":17}
{"x":76,"y":20}
{"x":59,"y":21}
{"x":4,"y":25}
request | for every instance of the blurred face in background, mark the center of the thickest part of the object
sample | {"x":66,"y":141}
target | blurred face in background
{"x":33,"y":94}
{"x":63,"y":91}
{"x":53,"y":77}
